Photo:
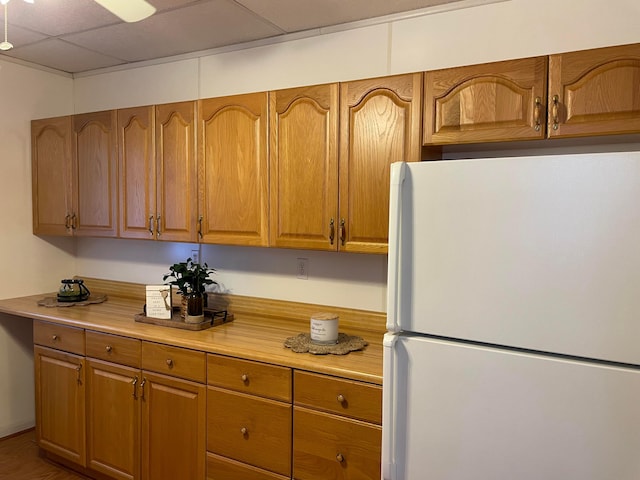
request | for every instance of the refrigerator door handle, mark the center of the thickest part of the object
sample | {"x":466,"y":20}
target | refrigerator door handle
{"x":388,"y":420}
{"x":398,"y":170}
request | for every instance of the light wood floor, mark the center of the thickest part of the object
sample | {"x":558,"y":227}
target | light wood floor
{"x":20,"y":460}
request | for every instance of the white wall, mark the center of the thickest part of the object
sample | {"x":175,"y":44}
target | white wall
{"x":29,"y":264}
{"x":510,"y":29}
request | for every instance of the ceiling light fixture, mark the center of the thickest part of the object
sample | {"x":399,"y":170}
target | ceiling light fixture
{"x":128,"y":10}
{"x":5,"y":45}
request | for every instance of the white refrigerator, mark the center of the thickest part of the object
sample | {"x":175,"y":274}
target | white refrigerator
{"x":513,"y":344}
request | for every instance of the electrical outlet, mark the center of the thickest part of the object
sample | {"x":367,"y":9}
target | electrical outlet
{"x":303,"y":268}
{"x":195,"y":256}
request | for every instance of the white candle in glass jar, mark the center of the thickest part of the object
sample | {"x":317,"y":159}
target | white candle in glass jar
{"x":324,"y":328}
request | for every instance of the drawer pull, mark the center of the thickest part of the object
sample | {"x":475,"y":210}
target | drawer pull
{"x":340,"y":458}
{"x":134,"y":382}
{"x":341,"y":399}
{"x":169,"y":363}
{"x":144,"y":380}
{"x":244,"y":377}
{"x":55,"y":337}
{"x":109,"y":348}
{"x":244,"y":431}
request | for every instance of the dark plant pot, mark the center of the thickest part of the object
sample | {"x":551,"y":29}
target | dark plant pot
{"x":195,"y":308}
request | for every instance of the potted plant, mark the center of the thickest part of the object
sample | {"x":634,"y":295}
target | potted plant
{"x":191,"y":280}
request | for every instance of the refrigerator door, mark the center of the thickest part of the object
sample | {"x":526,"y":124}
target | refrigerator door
{"x":534,"y":252}
{"x":455,"y":411}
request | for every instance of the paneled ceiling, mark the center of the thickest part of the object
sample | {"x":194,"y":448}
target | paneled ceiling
{"x":79,"y":35}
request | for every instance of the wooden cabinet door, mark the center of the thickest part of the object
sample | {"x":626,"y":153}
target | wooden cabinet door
{"x":60,"y":403}
{"x":379,"y":125}
{"x":233,"y":170}
{"x":176,"y":172}
{"x":113,"y":420}
{"x":137,"y":172}
{"x":595,"y":92}
{"x":303,"y":169}
{"x":94,"y":179}
{"x":498,"y":101}
{"x":51,"y":158}
{"x":173,"y":428}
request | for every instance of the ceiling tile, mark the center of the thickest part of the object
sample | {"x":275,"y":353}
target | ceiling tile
{"x":297,"y":15}
{"x":198,"y":27}
{"x":63,"y":56}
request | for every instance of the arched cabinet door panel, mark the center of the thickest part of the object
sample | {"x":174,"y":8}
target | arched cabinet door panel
{"x":498,"y":101}
{"x":595,"y":92}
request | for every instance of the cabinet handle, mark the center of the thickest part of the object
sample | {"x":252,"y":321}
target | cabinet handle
{"x":200,"y":226}
{"x":244,"y":431}
{"x":144,"y":380}
{"x":169,"y":363}
{"x":536,"y":113}
{"x":134,"y":382}
{"x":340,"y":458}
{"x":342,"y":231}
{"x":332,"y":231}
{"x":67,"y":221}
{"x":109,"y":348}
{"x":158,"y":225}
{"x":554,"y":111}
{"x":55,"y":337}
{"x":341,"y":398}
{"x":79,"y":370}
{"x":151,"y":225}
{"x":244,"y":377}
{"x":74,"y":222}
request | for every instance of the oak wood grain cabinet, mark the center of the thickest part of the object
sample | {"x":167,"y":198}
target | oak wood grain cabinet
{"x":497,"y":101}
{"x":331,"y":147}
{"x":594,"y":92}
{"x":60,"y":391}
{"x":248,"y":419}
{"x":114,"y":405}
{"x":74,"y":179}
{"x":51,"y":164}
{"x":176,"y":172}
{"x":337,"y":429}
{"x":380,"y":123}
{"x":233,"y":176}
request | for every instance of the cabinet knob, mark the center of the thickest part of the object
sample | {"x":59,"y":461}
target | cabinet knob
{"x":245,"y":377}
{"x":341,"y":398}
{"x":54,"y":337}
{"x":244,"y":430}
{"x":169,"y":363}
{"x":339,"y":458}
{"x":109,"y":348}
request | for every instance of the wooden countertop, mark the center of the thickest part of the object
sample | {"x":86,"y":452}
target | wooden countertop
{"x":257,"y":332}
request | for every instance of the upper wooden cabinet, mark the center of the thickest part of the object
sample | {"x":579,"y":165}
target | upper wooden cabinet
{"x":74,"y":174}
{"x":157,"y":165}
{"x":303,"y":169}
{"x":595,"y":92}
{"x":233,"y":170}
{"x":485,"y":103}
{"x":51,"y":163}
{"x":380,"y":123}
{"x":137,"y":172}
{"x":95,"y":183}
{"x":176,"y":172}
{"x":318,"y":201}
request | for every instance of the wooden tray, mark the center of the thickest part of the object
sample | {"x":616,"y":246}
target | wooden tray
{"x":212,"y":318}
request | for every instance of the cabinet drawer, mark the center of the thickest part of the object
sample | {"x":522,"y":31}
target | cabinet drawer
{"x":328,"y":446}
{"x":253,"y":430}
{"x":174,"y":361}
{"x":60,"y":337}
{"x":113,"y":348}
{"x":336,"y":395}
{"x":250,"y":377}
{"x":221,"y":468}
